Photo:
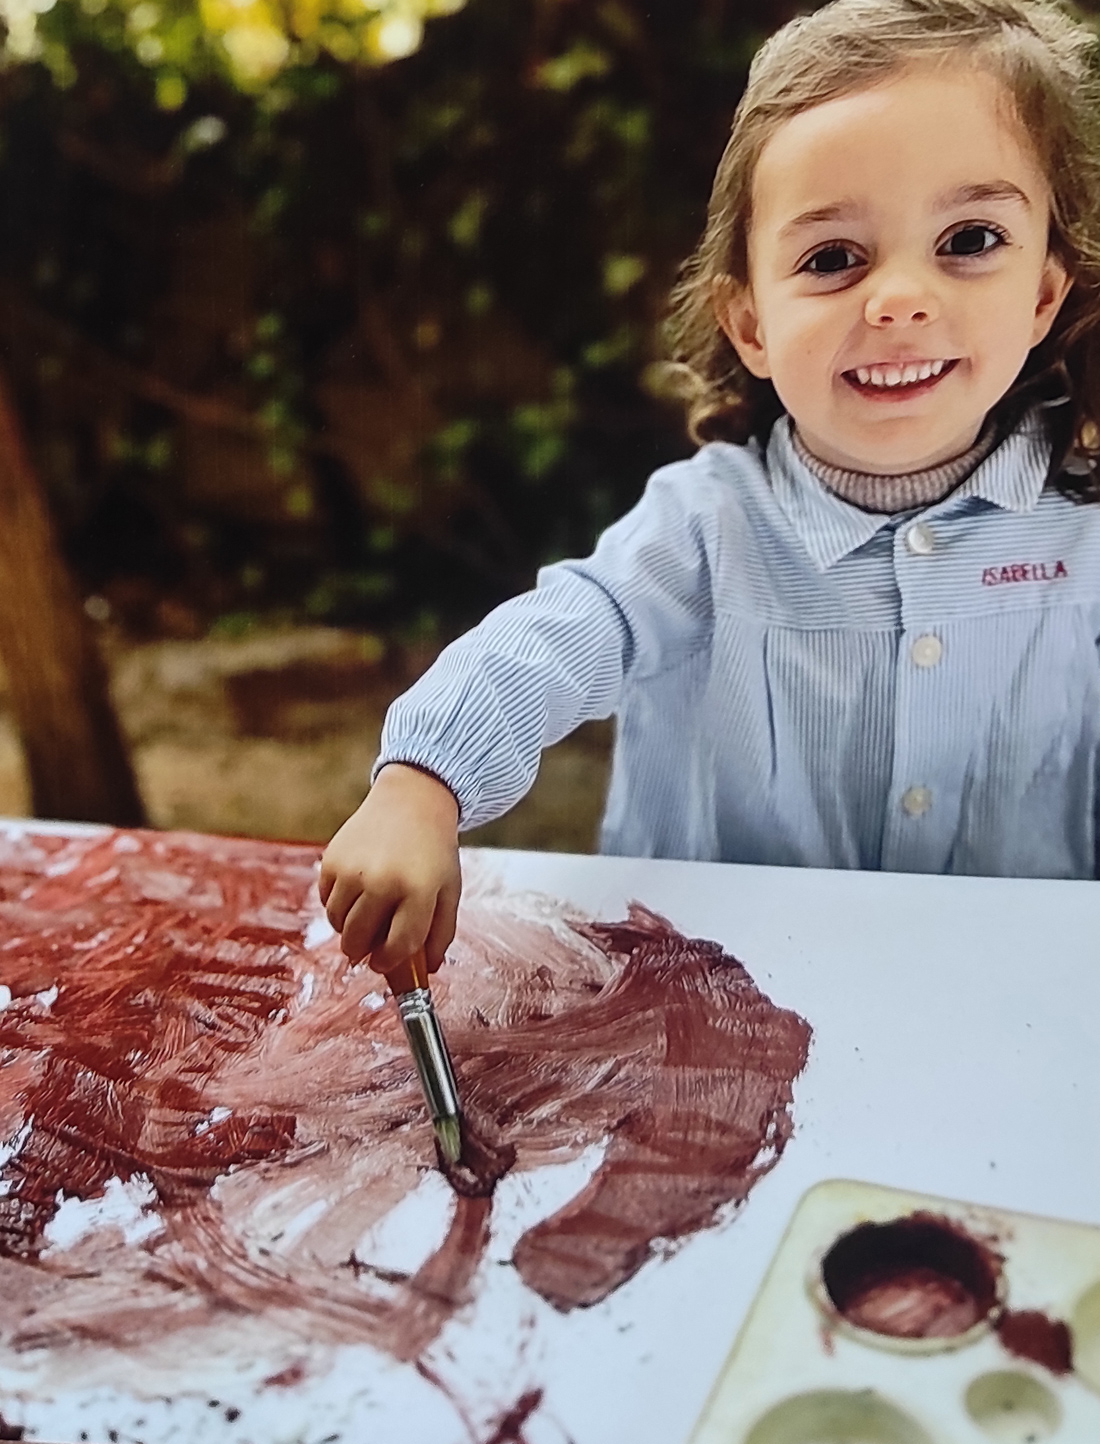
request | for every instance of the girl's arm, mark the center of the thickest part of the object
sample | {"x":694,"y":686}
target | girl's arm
{"x":463,"y":745}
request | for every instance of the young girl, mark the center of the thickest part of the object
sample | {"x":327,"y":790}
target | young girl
{"x":859,"y":627}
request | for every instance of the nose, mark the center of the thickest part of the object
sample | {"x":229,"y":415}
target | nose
{"x":902,"y":296}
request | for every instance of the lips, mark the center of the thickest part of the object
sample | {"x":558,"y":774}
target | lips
{"x":903,"y":390}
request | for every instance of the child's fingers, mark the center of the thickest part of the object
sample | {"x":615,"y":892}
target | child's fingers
{"x":444,"y":920}
{"x":325,"y":883}
{"x":342,"y":896}
{"x":407,"y":930}
{"x":366,"y":925}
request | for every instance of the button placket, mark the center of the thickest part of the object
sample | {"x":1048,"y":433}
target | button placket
{"x":917,"y":828}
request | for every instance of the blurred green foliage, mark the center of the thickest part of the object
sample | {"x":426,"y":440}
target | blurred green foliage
{"x":246,"y":42}
{"x":359,"y":342}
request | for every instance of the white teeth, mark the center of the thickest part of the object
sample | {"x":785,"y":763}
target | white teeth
{"x":899,"y":375}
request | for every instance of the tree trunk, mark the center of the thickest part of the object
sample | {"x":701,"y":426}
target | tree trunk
{"x":76,"y":757}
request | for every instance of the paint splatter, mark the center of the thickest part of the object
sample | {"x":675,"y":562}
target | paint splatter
{"x":508,"y":1429}
{"x":1031,"y":1334}
{"x":204,"y":1111}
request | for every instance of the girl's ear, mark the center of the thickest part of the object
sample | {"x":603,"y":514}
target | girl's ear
{"x":1054,"y":287}
{"x":735,"y":313}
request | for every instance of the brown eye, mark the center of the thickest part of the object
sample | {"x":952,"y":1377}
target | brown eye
{"x":973,"y":240}
{"x":831,"y":259}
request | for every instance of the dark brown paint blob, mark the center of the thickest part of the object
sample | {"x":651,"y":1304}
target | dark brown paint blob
{"x":10,"y":1431}
{"x":482,"y":1163}
{"x":174,"y":1039}
{"x":920,"y":1277}
{"x":1031,"y":1334}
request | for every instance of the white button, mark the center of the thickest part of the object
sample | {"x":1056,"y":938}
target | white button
{"x":916,"y":801}
{"x":921,"y":539}
{"x":926,"y":651}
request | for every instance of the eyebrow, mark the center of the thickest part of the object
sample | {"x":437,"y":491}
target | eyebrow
{"x":998,"y":190}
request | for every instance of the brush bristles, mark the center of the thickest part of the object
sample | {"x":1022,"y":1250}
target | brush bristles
{"x":448,"y":1135}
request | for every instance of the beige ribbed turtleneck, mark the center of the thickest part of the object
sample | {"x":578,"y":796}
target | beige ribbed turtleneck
{"x":871,"y":491}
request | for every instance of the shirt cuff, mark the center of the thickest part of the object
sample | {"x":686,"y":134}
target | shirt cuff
{"x":464,"y":790}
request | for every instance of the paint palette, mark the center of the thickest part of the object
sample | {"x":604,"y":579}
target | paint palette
{"x":889,"y":1317}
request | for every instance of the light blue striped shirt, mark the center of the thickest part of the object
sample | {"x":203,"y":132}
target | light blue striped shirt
{"x":796,"y":681}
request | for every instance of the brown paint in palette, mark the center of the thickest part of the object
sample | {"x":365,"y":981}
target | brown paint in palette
{"x":869,"y":1284}
{"x":171,"y":1030}
{"x":927,"y":1277}
{"x":919,"y":1277}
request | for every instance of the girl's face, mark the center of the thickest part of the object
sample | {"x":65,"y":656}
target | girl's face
{"x":900,"y":227}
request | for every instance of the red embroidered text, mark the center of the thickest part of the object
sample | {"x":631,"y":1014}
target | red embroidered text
{"x":1024,"y":572}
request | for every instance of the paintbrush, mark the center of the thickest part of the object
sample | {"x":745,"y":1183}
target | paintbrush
{"x":409,"y":984}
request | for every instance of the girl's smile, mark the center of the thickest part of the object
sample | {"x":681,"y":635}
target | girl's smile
{"x":900,"y":379}
{"x":899,"y":271}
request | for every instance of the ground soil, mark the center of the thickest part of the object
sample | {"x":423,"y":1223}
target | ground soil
{"x":273,"y":735}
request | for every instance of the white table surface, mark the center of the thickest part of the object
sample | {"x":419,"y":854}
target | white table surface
{"x":956,"y":1052}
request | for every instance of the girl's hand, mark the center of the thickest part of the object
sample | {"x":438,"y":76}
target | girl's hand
{"x":390,"y":879}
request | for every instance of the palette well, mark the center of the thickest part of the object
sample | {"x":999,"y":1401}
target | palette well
{"x":891,"y":1317}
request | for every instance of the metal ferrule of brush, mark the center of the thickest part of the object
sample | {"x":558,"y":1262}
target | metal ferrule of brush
{"x":429,"y":1052}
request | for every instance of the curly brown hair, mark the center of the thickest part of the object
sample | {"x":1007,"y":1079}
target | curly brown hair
{"x":1045,"y":57}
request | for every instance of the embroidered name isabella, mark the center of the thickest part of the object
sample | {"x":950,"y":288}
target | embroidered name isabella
{"x":1024,"y":572}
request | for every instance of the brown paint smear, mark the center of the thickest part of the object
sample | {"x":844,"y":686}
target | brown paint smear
{"x":169,"y":1027}
{"x":687,"y":1065}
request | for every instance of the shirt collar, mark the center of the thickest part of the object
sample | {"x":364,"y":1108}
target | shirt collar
{"x":1011,"y":477}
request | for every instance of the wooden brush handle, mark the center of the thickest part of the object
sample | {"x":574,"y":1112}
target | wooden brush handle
{"x":413,"y":973}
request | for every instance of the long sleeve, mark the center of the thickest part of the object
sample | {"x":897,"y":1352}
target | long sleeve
{"x":557,"y":656}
